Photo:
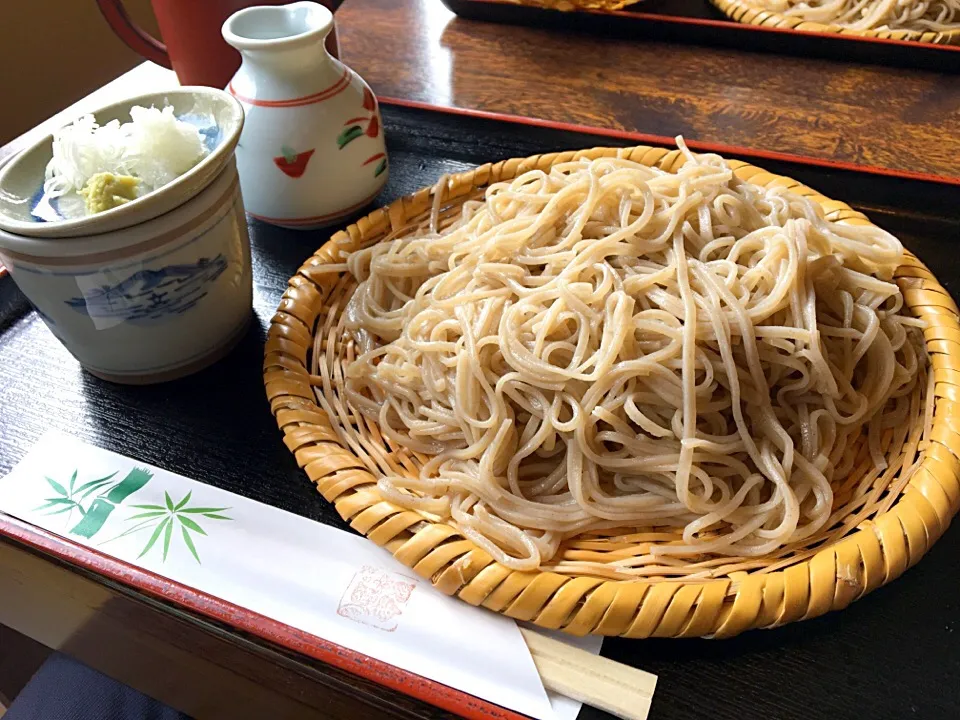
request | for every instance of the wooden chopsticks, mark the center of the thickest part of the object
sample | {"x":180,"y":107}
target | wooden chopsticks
{"x":613,"y":687}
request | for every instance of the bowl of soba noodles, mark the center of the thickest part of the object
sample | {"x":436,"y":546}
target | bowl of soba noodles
{"x":626,"y":391}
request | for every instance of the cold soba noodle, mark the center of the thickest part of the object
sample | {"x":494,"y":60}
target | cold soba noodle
{"x":914,"y":15}
{"x":608,"y":345}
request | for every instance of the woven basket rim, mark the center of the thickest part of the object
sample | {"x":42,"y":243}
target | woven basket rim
{"x":747,"y":14}
{"x":876,"y":552}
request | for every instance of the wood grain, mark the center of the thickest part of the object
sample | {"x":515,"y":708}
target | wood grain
{"x":175,"y":657}
{"x":615,"y":688}
{"x":873,"y":116}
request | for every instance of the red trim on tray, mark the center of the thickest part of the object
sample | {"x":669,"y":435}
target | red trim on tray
{"x":726,"y":24}
{"x":698,"y":145}
{"x":338,"y":87}
{"x":215,"y":608}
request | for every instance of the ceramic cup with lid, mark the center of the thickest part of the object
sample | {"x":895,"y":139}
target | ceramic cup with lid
{"x":312,"y":149}
{"x":150,"y":290}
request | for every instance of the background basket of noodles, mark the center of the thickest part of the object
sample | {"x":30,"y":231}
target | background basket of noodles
{"x":882,"y":519}
{"x":928,"y":21}
{"x":570,"y":5}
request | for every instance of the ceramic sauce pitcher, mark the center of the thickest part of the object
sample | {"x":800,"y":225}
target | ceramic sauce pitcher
{"x":312,"y":148}
{"x":191,"y":45}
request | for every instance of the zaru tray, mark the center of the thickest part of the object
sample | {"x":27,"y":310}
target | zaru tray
{"x":891,"y":655}
{"x":864,"y":547}
{"x":700,"y":22}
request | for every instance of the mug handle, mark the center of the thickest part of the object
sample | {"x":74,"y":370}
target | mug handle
{"x":133,"y":37}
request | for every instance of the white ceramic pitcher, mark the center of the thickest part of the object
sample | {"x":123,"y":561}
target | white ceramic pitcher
{"x":312,"y":148}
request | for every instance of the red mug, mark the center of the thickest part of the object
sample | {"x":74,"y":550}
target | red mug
{"x":193,"y":46}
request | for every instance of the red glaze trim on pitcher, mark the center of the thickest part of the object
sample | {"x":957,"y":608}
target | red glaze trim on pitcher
{"x":338,"y":87}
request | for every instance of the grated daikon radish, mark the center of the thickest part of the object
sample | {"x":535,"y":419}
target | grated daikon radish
{"x":155,"y":147}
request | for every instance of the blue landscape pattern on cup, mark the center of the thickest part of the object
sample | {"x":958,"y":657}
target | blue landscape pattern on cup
{"x":151,"y":295}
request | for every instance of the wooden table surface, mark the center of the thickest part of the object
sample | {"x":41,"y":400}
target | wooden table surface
{"x":889,"y":656}
{"x":415,"y":50}
{"x":887,"y":118}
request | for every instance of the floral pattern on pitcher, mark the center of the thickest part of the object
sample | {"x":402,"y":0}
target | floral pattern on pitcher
{"x":291,"y":163}
{"x":354,"y":128}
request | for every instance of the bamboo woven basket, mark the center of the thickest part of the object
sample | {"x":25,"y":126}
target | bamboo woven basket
{"x":748,"y":14}
{"x":571,"y":5}
{"x":703,"y":600}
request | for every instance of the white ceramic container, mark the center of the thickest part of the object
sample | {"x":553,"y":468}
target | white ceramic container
{"x":312,"y":149}
{"x":149,"y":301}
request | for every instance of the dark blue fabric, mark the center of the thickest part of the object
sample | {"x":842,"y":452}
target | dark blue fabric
{"x":64,"y":689}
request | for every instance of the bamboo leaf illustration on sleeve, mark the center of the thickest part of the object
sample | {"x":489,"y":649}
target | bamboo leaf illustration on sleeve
{"x":136,"y":528}
{"x":153,"y":538}
{"x":108,"y":494}
{"x":54,"y":502}
{"x":58,"y":488}
{"x":88,"y":488}
{"x":135,"y":480}
{"x":159,"y":520}
{"x":166,"y":538}
{"x":189,"y":543}
{"x":190,"y":524}
{"x":101,"y":508}
{"x":96,"y":516}
{"x":151,"y":514}
{"x":62,"y":510}
{"x":162,"y":519}
{"x":65,"y":502}
{"x":183,"y":502}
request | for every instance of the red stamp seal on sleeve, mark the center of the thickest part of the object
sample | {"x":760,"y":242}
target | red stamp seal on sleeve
{"x":376,"y":597}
